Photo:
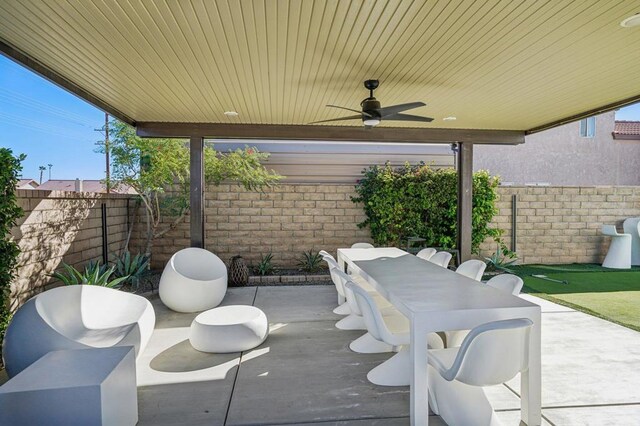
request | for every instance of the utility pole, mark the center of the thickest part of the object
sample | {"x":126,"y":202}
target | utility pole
{"x":106,"y":150}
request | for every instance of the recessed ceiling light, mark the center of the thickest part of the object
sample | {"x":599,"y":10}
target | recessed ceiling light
{"x":231,"y":113}
{"x":450,"y":118}
{"x":631,"y":21}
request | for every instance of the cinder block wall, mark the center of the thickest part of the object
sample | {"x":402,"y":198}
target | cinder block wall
{"x":285,"y":220}
{"x":554,"y":224}
{"x":61,"y":227}
{"x":562,"y":224}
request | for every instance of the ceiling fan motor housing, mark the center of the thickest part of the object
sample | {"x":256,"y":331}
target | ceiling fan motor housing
{"x":371,"y":107}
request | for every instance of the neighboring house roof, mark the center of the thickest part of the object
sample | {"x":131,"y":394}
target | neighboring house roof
{"x":627,"y":130}
{"x":27,"y":184}
{"x":87,"y":186}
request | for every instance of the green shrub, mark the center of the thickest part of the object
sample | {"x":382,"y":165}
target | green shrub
{"x":10,"y":168}
{"x":265,"y":267}
{"x":310,"y":261}
{"x":421,"y":201}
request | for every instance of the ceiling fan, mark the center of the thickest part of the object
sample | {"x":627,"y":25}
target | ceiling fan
{"x":372,"y":113}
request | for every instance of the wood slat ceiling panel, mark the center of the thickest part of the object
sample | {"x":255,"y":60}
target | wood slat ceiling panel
{"x":493,"y":64}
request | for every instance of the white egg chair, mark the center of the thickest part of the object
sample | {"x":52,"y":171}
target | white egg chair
{"x":194,"y":280}
{"x":76,"y":317}
{"x":426,"y":253}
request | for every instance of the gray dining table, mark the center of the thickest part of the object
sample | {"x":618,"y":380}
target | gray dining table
{"x":434,"y":299}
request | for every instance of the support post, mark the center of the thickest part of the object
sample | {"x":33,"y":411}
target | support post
{"x":196,"y":193}
{"x":465,"y":199}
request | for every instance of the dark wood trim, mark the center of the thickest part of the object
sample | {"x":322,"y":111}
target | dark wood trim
{"x":48,"y":73}
{"x":585,"y":114}
{"x":465,"y":199}
{"x":196,"y":191}
{"x":328,"y":133}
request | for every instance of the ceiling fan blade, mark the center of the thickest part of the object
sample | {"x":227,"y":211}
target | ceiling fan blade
{"x":394,"y":109}
{"x":351,"y":117}
{"x":349,"y":109}
{"x":408,"y":117}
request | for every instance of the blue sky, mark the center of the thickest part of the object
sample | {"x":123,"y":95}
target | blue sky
{"x":51,"y":126}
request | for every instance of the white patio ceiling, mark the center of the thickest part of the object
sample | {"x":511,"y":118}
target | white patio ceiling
{"x":513,"y":65}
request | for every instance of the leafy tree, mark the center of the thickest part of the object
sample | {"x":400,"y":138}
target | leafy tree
{"x":418,"y":200}
{"x":158,"y":170}
{"x":10,"y":168}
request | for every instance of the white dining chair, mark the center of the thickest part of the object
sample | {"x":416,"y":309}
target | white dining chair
{"x":441,"y":258}
{"x":509,"y":283}
{"x":343,"y":306}
{"x":472,"y":268}
{"x":426,"y":253}
{"x":362,"y":245}
{"x":491,"y":354}
{"x":392,"y":329}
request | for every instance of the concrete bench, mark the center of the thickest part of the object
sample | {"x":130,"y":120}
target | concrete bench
{"x":74,"y":387}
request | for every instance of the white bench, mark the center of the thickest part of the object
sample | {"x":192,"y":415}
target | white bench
{"x":74,"y":387}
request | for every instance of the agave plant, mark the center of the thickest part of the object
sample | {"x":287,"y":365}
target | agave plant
{"x":265,"y":267}
{"x":133,"y":269}
{"x":94,"y":274}
{"x":310,"y":261}
{"x":501,"y":260}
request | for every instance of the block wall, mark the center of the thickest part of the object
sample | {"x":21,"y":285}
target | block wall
{"x":62,"y":227}
{"x":562,"y":224}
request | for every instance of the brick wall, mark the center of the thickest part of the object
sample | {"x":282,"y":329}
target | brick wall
{"x":285,"y":220}
{"x":562,"y":224}
{"x":62,"y":227}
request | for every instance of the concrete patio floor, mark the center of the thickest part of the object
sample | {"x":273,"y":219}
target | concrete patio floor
{"x":305,"y":373}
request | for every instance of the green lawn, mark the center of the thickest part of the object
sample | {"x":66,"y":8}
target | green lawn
{"x":610,"y":294}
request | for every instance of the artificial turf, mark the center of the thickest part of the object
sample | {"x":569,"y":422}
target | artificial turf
{"x":610,"y":294}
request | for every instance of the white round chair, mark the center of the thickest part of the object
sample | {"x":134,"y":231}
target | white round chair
{"x":508,"y":283}
{"x":441,"y":258}
{"x":343,"y":307}
{"x":472,"y":268}
{"x":76,"y":317}
{"x":631,"y":226}
{"x":619,"y":253}
{"x":227,"y":329}
{"x":426,"y":253}
{"x":491,"y":354}
{"x":194,"y":280}
{"x":394,"y":331}
{"x":362,"y":245}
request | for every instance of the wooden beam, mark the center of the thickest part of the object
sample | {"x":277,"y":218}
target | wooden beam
{"x":465,"y":199}
{"x":196,"y":193}
{"x":328,"y":133}
{"x":49,"y":74}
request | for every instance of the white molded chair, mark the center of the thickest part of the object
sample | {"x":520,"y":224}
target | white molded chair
{"x":362,"y":245}
{"x":631,"y":226}
{"x":426,"y":253}
{"x":343,"y":308}
{"x":619,"y":254}
{"x":194,"y":280}
{"x":76,"y":317}
{"x":392,"y":329}
{"x":491,"y":354}
{"x":508,"y":283}
{"x":441,"y":258}
{"x":472,"y":268}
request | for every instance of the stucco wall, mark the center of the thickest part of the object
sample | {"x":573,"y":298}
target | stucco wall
{"x":560,"y":156}
{"x":62,"y":227}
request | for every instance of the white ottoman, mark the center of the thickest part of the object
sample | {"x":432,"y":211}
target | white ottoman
{"x":226,"y":329}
